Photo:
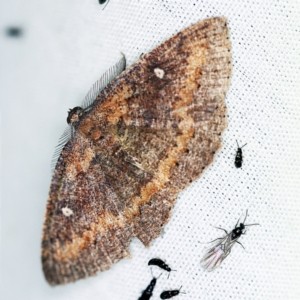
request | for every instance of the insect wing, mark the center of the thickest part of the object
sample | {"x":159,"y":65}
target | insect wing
{"x":137,"y":147}
{"x":216,"y":254}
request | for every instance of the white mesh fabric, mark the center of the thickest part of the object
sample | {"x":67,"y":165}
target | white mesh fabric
{"x":65,"y":48}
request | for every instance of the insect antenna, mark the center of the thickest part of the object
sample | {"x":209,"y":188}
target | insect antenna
{"x":170,"y":272}
{"x":181,"y":292}
{"x":221,"y":229}
{"x":246,"y":218}
{"x":152,"y":274}
{"x":102,"y":2}
{"x":239,"y":146}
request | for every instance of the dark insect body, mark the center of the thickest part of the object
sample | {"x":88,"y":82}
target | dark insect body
{"x":160,"y":263}
{"x":170,"y":294}
{"x":102,"y":2}
{"x":148,"y":292}
{"x":239,"y":156}
{"x":14,"y":32}
{"x":222,"y":248}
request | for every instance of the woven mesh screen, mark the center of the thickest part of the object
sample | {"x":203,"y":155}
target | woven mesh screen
{"x":64,"y":49}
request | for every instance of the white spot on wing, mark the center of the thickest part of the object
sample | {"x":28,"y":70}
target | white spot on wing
{"x":67,"y":211}
{"x":159,"y":73}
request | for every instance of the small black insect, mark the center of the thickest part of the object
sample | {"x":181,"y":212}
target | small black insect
{"x":14,"y":31}
{"x":102,"y":2}
{"x":147,"y":293}
{"x":160,"y":263}
{"x":222,"y":248}
{"x":239,"y":156}
{"x":170,"y":294}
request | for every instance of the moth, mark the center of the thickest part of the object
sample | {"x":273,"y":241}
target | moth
{"x":135,"y":143}
{"x":222,"y":246}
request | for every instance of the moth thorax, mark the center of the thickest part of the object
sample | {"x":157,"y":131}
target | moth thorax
{"x":74,"y":115}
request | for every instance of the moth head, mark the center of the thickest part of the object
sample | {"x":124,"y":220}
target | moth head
{"x":74,"y":115}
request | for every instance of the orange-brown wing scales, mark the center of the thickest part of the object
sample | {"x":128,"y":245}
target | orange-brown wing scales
{"x":150,"y":133}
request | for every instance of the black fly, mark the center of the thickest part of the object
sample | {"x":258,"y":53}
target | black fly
{"x":170,"y":294}
{"x":222,"y":248}
{"x":160,"y":263}
{"x":239,"y":156}
{"x":147,"y":293}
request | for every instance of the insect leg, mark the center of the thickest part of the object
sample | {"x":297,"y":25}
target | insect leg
{"x":221,"y":229}
{"x":241,"y":244}
{"x":215,"y":240}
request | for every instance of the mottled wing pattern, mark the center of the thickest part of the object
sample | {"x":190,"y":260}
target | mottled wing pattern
{"x":149,"y":134}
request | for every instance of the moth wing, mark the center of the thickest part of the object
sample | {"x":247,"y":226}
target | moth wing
{"x":89,"y":99}
{"x":148,"y":135}
{"x":173,"y":101}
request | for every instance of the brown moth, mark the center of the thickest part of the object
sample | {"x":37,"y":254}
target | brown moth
{"x":147,"y":136}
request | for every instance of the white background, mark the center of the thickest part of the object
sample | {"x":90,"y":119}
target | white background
{"x":65,"y":48}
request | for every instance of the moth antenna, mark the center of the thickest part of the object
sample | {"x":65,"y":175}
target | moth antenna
{"x":237,"y":144}
{"x":124,"y":58}
{"x":108,"y":76}
{"x":244,"y":145}
{"x":65,"y":137}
